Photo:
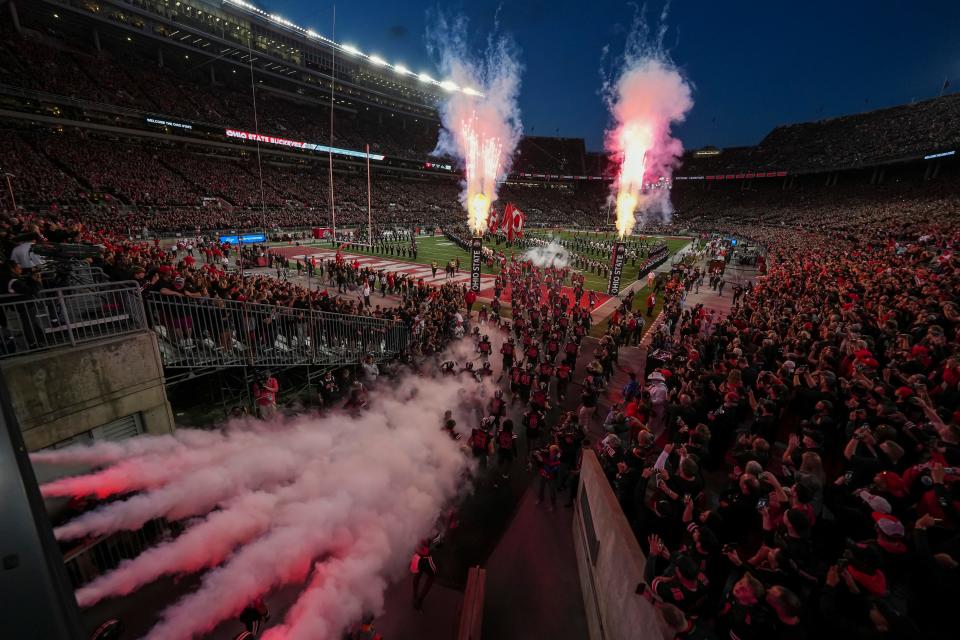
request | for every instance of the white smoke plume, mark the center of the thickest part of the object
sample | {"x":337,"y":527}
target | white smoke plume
{"x":486,"y":96}
{"x":203,"y":545}
{"x":649,"y":95}
{"x":102,"y":453}
{"x":552,"y":254}
{"x":336,"y":502}
{"x":155,"y":468}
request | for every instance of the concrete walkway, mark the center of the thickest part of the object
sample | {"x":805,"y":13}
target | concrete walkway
{"x":712,"y":300}
{"x":533,"y":589}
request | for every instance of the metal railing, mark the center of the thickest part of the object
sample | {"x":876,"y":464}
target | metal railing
{"x":97,"y":556}
{"x":195,"y":332}
{"x":69,"y":316}
{"x":72,"y":273}
{"x":207,"y":332}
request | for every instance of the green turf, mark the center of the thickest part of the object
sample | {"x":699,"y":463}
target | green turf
{"x":439,"y":248}
{"x":639,"y":302}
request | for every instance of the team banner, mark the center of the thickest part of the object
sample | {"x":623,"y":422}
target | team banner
{"x":476,"y":261}
{"x":618,"y":257}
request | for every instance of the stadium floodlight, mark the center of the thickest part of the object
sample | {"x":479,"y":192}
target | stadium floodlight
{"x":470,"y":91}
{"x":399,"y":68}
{"x":352,"y":50}
{"x":377,"y":60}
{"x":449,"y":86}
{"x":425,"y":78}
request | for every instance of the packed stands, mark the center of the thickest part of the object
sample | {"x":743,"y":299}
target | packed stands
{"x":874,"y":137}
{"x":135,"y":83}
{"x":538,"y":154}
{"x":790,"y":470}
{"x":165,"y":187}
{"x":808,"y":485}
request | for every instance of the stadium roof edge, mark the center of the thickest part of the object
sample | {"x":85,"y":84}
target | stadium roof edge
{"x":405,"y":105}
{"x":374,"y":60}
{"x":871,"y":112}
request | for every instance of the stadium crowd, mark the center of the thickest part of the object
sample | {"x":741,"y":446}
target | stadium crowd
{"x":863,"y":139}
{"x":131,"y":82}
{"x":792,"y":471}
{"x":123,"y":186}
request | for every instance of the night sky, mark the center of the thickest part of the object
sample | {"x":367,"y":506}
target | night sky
{"x":754,"y":65}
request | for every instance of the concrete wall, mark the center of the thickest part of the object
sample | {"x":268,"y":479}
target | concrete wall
{"x":60,"y":393}
{"x":610,"y":563}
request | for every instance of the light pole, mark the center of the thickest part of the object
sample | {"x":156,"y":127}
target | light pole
{"x":13,"y":200}
{"x":369,"y":205}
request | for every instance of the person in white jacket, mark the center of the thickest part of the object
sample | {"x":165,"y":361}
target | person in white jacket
{"x":370,"y":371}
{"x":658,"y":401}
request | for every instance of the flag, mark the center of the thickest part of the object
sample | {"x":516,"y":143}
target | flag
{"x":492,"y":221}
{"x":507,"y":222}
{"x":519,"y":220}
{"x":513,"y":220}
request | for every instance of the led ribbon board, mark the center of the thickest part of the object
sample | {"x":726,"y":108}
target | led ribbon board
{"x":297,"y":144}
{"x":247,"y":238}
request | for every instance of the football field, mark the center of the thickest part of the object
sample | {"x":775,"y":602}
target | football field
{"x":442,"y":250}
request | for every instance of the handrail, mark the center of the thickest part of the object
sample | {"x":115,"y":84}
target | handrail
{"x":211,"y":332}
{"x":77,"y":272}
{"x":69,"y":316}
{"x":195,"y":332}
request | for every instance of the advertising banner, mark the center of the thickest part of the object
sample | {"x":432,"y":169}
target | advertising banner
{"x":247,"y":238}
